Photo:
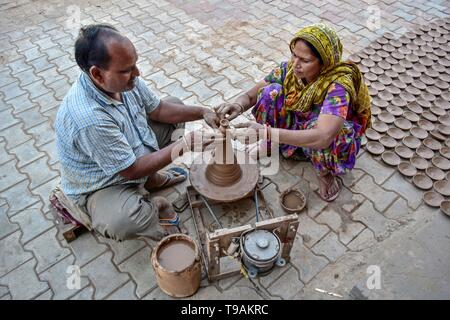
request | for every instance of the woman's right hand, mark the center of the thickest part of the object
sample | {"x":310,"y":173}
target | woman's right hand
{"x":229,"y":110}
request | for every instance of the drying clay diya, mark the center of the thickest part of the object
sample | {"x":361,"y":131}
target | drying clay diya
{"x":419,"y":84}
{"x":426,"y":125}
{"x":375,"y":57}
{"x":419,"y":162}
{"x":433,"y":199}
{"x":429,"y":116}
{"x":379,"y":102}
{"x":393,"y":90}
{"x":445,"y":130}
{"x":394,"y":110}
{"x":386,"y":117}
{"x":411,"y":142}
{"x":411,"y":116}
{"x":384,"y":79}
{"x":423,"y":103}
{"x":419,"y":132}
{"x":404,"y":152}
{"x":434,"y":90}
{"x":372,"y":134}
{"x":363,"y":140}
{"x":445,"y":207}
{"x":372,"y":91}
{"x":388,"y":142}
{"x":370,"y":76}
{"x":437,"y":111}
{"x":422,"y":181}
{"x":435,"y":173}
{"x":391,"y":73}
{"x":442,"y":85}
{"x":443,"y":104}
{"x":445,"y":120}
{"x":396,"y":133}
{"x":426,"y":79}
{"x":432,"y":144}
{"x":425,"y":152}
{"x":391,"y":158}
{"x":414,"y":107}
{"x":403,"y":124}
{"x":406,"y":64}
{"x":445,"y":152}
{"x":399,"y":83}
{"x":380,"y":126}
{"x":443,"y":187}
{"x":407,"y":169}
{"x":413,"y":90}
{"x":427,"y":96}
{"x":447,"y":143}
{"x":367,"y":63}
{"x":437,"y":135}
{"x":292,"y":201}
{"x":386,"y":96}
{"x":375,"y":110}
{"x":406,"y":96}
{"x":384,"y":65}
{"x":378,"y":85}
{"x":375,"y":148}
{"x":441,"y":163}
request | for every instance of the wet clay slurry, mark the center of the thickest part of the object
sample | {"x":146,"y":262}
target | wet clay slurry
{"x":292,"y":201}
{"x":176,"y":255}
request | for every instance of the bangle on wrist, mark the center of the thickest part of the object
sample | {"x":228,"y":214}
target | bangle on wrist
{"x":240,"y":106}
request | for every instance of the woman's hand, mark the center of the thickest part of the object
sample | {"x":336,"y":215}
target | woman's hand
{"x":229,"y":110}
{"x":248,"y":132}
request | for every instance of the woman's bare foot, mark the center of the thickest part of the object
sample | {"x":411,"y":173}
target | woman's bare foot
{"x":329,"y":187}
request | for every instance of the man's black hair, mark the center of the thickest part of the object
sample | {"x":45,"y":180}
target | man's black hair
{"x":90,"y":46}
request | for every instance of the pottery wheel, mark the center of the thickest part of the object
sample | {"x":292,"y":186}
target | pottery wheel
{"x":220,"y":180}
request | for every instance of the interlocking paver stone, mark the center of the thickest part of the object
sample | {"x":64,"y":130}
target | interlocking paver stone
{"x":141,"y":270}
{"x":104,"y":275}
{"x":122,"y":250}
{"x":47,"y":250}
{"x":330,"y":246}
{"x":32,"y":223}
{"x":23,"y":282}
{"x":380,"y":197}
{"x":311,"y":231}
{"x":13,"y":254}
{"x":6,"y":227}
{"x":398,"y":184}
{"x":9,"y":175}
{"x":59,"y":279}
{"x":124,"y":293}
{"x":86,"y":248}
{"x":381,"y":226}
{"x":287,"y":285}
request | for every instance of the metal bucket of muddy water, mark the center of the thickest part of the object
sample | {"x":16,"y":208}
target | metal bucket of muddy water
{"x":176,"y":261}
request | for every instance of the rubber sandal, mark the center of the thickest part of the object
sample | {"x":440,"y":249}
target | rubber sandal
{"x":170,"y":222}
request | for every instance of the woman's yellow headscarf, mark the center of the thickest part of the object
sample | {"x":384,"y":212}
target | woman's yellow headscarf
{"x":300,"y":97}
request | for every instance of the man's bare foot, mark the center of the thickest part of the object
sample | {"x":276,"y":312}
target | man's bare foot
{"x":166,"y":213}
{"x":329,"y":187}
{"x":164,"y":179}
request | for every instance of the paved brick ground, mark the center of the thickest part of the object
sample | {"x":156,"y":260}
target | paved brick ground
{"x":204,"y":52}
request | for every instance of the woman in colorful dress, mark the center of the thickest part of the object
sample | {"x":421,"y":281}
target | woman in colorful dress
{"x":318,"y":103}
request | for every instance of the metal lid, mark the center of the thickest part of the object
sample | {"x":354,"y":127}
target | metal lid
{"x":261,"y":245}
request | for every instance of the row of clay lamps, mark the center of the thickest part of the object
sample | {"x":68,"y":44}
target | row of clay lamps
{"x":409,"y":82}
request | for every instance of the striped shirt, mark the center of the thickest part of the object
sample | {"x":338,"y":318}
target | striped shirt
{"x":97,"y":136}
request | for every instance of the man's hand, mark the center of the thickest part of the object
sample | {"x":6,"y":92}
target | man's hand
{"x":229,"y":110}
{"x":211,"y":118}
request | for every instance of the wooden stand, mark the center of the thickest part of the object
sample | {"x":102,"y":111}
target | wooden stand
{"x":69,"y":230}
{"x":214,"y":245}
